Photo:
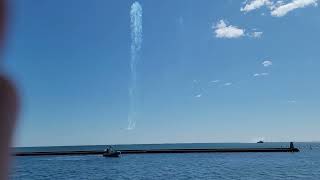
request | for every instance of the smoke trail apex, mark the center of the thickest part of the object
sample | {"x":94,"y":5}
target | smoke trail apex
{"x":136,"y":41}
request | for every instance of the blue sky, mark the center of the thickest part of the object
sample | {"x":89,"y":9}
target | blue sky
{"x":209,"y":71}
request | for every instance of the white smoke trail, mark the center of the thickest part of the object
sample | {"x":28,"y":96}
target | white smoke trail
{"x":136,"y":41}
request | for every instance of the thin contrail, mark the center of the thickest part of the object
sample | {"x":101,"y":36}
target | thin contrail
{"x":136,"y":41}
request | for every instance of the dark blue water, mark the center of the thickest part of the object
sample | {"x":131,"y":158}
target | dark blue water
{"x":302,"y":165}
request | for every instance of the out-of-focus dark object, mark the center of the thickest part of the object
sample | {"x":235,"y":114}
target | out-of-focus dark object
{"x":2,"y":20}
{"x":8,"y":104}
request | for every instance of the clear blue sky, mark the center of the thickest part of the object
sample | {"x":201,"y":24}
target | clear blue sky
{"x":200,"y":75}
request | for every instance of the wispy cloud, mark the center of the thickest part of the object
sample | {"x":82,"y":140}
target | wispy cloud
{"x":227,"y":84}
{"x":256,"y":34}
{"x":215,"y":81}
{"x":292,"y":101}
{"x":255,"y":4}
{"x":260,"y":74}
{"x":181,"y":20}
{"x":136,"y":42}
{"x":277,"y":8}
{"x":281,"y":9}
{"x":223,"y":30}
{"x":198,"y":95}
{"x":267,"y":63}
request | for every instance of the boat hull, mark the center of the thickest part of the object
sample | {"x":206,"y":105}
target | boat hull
{"x":113,"y":154}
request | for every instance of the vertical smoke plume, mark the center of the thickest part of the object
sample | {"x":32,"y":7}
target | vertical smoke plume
{"x":136,"y":41}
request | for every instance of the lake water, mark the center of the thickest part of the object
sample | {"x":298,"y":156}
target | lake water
{"x":302,"y":165}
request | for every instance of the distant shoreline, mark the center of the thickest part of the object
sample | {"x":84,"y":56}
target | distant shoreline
{"x":144,"y":144}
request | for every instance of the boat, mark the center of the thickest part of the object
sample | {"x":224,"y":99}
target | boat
{"x":110,"y":152}
{"x":260,"y":142}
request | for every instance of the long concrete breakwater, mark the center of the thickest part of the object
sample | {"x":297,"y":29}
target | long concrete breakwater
{"x":161,"y":151}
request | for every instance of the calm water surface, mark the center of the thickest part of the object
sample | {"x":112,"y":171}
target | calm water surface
{"x":302,"y":165}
